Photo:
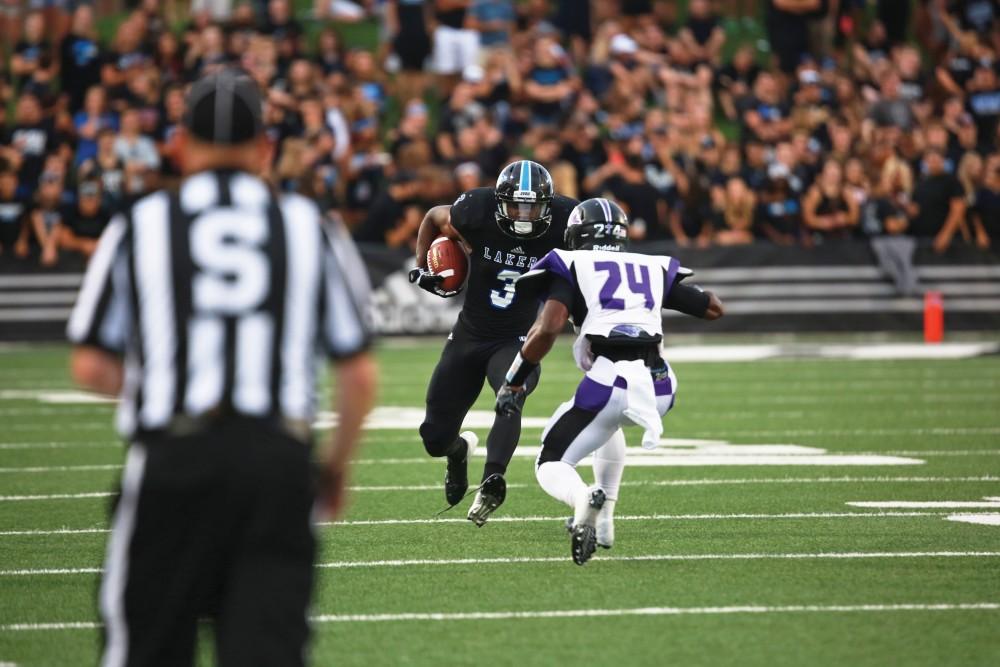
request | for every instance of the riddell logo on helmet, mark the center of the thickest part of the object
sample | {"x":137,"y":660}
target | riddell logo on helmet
{"x":525,"y":195}
{"x":613,"y":248}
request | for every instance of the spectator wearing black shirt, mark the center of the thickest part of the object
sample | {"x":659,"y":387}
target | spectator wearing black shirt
{"x":80,"y":57}
{"x":108,"y":168}
{"x":984,"y":105}
{"x":827,"y":209}
{"x":788,"y":30}
{"x":12,"y":209}
{"x":938,"y":208}
{"x":31,"y":54}
{"x":976,"y":15}
{"x":550,"y":83}
{"x":702,"y":34}
{"x":985,"y":213}
{"x":766,"y":114}
{"x":779,"y":210}
{"x":43,"y":221}
{"x":735,"y":80}
{"x":30,"y":139}
{"x":81,"y":224}
{"x":393,"y":219}
{"x":623,"y":177}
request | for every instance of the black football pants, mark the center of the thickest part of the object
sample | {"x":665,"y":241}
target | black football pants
{"x":211,"y":526}
{"x":466,"y":363}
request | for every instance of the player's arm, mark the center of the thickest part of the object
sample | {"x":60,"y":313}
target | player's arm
{"x":94,"y":325}
{"x":691,"y":299}
{"x":436,"y":223}
{"x":547,"y":327}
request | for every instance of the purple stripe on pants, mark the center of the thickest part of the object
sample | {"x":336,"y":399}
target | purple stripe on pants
{"x":664,"y":387}
{"x":591,"y":395}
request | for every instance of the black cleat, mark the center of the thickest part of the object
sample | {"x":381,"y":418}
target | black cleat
{"x":456,"y":479}
{"x":490,"y":496}
{"x":583,"y":541}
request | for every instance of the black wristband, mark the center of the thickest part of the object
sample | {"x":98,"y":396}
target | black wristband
{"x":519,"y":371}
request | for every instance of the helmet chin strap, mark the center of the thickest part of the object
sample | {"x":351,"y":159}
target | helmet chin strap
{"x":523,"y":227}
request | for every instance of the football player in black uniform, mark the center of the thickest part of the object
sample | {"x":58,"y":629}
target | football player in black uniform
{"x":505,"y":230}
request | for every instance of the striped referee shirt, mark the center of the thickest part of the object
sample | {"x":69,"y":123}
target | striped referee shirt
{"x":219,"y":297}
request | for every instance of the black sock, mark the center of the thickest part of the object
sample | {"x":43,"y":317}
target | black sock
{"x":458,"y":450}
{"x":501,"y":443}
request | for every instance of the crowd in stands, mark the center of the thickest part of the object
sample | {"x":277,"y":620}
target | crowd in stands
{"x":792,"y":122}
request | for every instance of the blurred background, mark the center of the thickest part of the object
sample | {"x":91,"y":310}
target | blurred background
{"x":824,"y":165}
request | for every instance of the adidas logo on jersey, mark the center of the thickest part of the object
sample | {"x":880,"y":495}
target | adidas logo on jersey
{"x":519,"y":250}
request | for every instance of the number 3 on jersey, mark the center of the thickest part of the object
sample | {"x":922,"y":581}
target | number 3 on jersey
{"x":503,"y":297}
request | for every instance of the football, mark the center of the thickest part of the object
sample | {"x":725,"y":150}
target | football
{"x":446,"y":257}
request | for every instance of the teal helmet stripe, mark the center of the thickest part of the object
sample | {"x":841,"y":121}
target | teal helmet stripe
{"x":525,"y":175}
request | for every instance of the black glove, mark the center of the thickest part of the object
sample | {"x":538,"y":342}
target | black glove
{"x":509,"y":401}
{"x":430,"y":282}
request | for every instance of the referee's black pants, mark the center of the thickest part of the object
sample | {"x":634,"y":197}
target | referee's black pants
{"x":214,"y":525}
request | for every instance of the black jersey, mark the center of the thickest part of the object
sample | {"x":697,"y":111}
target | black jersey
{"x":492,"y":310}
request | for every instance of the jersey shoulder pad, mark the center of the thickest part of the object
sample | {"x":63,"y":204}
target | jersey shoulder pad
{"x":555,"y":262}
{"x":473,"y":210}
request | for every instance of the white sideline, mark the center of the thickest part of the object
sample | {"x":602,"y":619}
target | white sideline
{"x":557,"y":519}
{"x":580,"y":613}
{"x":59,"y":496}
{"x":648,"y":517}
{"x":512,"y":560}
{"x":658,"y":557}
{"x":650,"y":611}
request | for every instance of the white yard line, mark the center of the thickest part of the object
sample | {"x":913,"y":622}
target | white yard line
{"x":58,"y":496}
{"x":583,"y":613}
{"x":556,"y":519}
{"x":928,"y":504}
{"x":650,"y":611}
{"x":662,"y":557}
{"x":77,"y":468}
{"x":514,"y":560}
{"x":650,"y":517}
{"x":61,"y":444}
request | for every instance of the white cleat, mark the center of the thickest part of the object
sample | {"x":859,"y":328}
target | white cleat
{"x":606,"y":525}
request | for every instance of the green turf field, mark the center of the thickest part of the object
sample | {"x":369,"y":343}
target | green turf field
{"x":714,"y":564}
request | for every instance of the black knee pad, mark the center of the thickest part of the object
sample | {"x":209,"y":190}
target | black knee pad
{"x":437,"y":441}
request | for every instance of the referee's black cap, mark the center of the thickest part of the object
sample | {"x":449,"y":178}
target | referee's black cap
{"x":224,"y":108}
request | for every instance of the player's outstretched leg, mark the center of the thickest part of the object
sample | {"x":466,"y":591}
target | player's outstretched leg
{"x":456,"y":476}
{"x":583,"y":542}
{"x":609,"y":464}
{"x":489,"y":496}
{"x":456,"y":382}
{"x":561,"y":481}
{"x":502,"y":439}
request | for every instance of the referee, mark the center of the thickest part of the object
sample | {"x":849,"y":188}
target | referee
{"x":203,"y":311}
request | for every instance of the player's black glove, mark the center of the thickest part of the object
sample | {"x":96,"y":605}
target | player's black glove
{"x":431,"y":282}
{"x":509,"y":401}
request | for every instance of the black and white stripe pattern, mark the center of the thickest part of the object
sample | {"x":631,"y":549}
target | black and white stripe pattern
{"x":218,"y":298}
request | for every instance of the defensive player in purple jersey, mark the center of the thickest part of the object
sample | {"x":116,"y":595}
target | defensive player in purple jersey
{"x":614,"y":299}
